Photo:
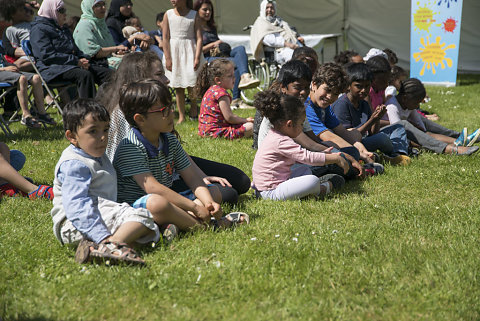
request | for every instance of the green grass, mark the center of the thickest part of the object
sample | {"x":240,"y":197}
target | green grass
{"x":401,"y":246}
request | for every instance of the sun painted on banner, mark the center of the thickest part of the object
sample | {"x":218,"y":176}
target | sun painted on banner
{"x":424,"y":18}
{"x":433,"y":54}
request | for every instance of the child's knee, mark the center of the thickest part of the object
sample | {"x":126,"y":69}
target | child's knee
{"x":35,"y":79}
{"x":248,"y":129}
{"x":157,"y":204}
{"x":22,"y":80}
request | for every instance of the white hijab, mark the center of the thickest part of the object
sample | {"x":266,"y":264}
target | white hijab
{"x":275,"y":20}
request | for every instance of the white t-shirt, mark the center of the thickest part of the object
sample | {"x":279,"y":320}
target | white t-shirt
{"x":396,"y":113}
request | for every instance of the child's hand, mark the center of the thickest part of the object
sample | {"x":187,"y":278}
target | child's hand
{"x":379,"y":112}
{"x":83,"y":63}
{"x":202,"y":213}
{"x":168,"y":64}
{"x":367,"y":156}
{"x":215,"y":210}
{"x":195,"y":64}
{"x":250,"y":119}
{"x":328,"y":150}
{"x":342,"y":162}
{"x":214,"y":179}
{"x":10,"y":68}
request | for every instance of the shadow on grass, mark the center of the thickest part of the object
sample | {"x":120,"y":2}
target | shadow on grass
{"x":42,"y":134}
{"x":24,"y":318}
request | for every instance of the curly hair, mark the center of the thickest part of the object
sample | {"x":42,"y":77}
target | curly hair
{"x":345,"y":57}
{"x":138,"y":97}
{"x":278,"y":108}
{"x":209,"y":71}
{"x":397,"y":72}
{"x":392,"y":56}
{"x":332,"y":75}
{"x":9,"y":7}
{"x":412,"y":89}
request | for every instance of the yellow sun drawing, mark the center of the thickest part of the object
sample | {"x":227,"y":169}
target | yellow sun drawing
{"x":433,"y":54}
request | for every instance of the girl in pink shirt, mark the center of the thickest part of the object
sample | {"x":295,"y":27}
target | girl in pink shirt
{"x":276,"y":172}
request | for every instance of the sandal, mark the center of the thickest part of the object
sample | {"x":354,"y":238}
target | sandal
{"x":110,"y":253}
{"x":30,"y":122}
{"x":231,"y":220}
{"x":46,"y":119}
{"x":8,"y":189}
{"x":43,"y":191}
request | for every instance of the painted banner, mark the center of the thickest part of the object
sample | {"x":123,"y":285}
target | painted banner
{"x":434,"y":40}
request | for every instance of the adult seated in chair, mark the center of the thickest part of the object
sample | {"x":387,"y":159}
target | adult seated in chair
{"x":271,"y":31}
{"x":92,"y":37}
{"x":58,"y":57}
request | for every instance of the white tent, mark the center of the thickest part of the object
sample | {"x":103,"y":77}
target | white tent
{"x":364,"y":23}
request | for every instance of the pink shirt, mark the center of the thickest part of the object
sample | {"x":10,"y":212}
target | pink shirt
{"x":274,"y":158}
{"x":376,"y":98}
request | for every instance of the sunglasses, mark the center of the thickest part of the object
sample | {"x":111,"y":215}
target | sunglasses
{"x":62,"y":10}
{"x":165,"y":110}
{"x":128,"y":4}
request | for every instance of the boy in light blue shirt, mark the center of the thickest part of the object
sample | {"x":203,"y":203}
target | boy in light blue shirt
{"x":85,"y":186}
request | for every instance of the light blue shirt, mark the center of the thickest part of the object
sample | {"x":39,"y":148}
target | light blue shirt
{"x":80,"y":208}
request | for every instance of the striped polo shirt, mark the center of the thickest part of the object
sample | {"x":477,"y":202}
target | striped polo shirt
{"x":135,"y":155}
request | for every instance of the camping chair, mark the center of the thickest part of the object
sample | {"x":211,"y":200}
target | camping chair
{"x":5,"y":88}
{"x":60,"y":86}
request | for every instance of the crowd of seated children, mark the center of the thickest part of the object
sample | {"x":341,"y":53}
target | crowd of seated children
{"x":276,"y":172}
{"x":328,"y":82}
{"x":426,"y":133}
{"x":353,"y":111}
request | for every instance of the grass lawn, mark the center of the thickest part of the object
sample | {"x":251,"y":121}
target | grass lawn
{"x":401,"y":246}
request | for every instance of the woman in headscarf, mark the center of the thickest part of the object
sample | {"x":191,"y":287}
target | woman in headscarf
{"x":118,"y":13}
{"x":92,"y":36}
{"x":57,"y":56}
{"x":271,"y":31}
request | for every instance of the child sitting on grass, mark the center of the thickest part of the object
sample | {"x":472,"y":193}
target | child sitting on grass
{"x":354,"y":112}
{"x":273,"y":175}
{"x":216,"y":117}
{"x":85,"y":185}
{"x":426,"y":133}
{"x":14,"y":184}
{"x":146,"y":159}
{"x":381,"y":70}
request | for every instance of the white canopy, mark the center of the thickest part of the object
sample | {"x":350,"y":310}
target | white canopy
{"x":364,"y":23}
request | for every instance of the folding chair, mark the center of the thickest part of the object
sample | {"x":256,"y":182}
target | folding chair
{"x":61,"y":86}
{"x":5,"y":88}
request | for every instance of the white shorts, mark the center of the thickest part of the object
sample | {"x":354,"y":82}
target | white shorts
{"x":114,"y":215}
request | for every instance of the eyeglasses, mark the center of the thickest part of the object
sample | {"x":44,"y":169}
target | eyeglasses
{"x":62,"y":10}
{"x":165,"y":110}
{"x":128,"y":4}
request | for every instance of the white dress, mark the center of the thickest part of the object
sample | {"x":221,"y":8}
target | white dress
{"x":182,"y":49}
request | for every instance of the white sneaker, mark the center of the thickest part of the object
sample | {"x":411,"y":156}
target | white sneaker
{"x":248,"y":81}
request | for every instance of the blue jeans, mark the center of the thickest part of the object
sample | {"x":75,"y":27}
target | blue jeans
{"x":390,"y":140}
{"x":156,"y":49}
{"x":239,"y":57}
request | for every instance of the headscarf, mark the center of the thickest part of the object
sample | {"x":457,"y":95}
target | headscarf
{"x":115,"y":19}
{"x":275,"y":20}
{"x":91,"y":33}
{"x":49,"y":8}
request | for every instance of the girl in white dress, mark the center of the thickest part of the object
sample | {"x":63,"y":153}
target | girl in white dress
{"x":182,"y":44}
